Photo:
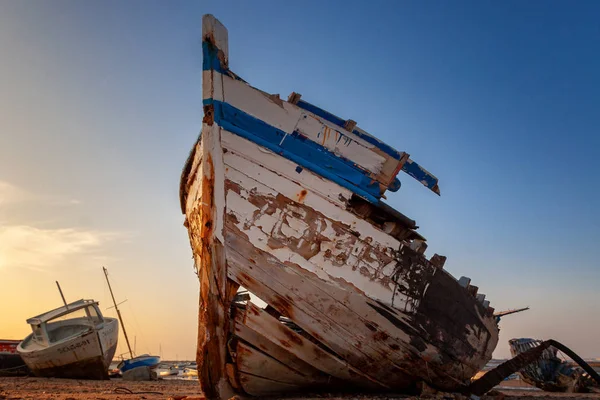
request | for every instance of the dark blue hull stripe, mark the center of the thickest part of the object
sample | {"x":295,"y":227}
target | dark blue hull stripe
{"x":297,"y":148}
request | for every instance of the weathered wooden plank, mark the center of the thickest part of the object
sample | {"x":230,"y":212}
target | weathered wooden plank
{"x":274,"y":349}
{"x":393,"y":160}
{"x":286,"y":168}
{"x":214,"y":31}
{"x":288,"y":118}
{"x":294,"y":297}
{"x":205,"y":211}
{"x":257,"y":386}
{"x":253,"y":361}
{"x":190,"y":185}
{"x":319,"y":246}
{"x":207,"y":245}
{"x":264,"y":241}
{"x":340,"y":142}
{"x":335,"y":244}
{"x":272,"y":231}
{"x":375,"y":330}
{"x":269,"y":328}
{"x":311,"y":198}
{"x":380,"y":253}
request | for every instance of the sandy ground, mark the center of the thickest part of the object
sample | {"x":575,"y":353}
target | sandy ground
{"x":70,"y":389}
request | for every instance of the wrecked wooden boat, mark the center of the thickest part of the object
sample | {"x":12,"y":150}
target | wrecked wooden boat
{"x":11,"y":363}
{"x":284,"y":199}
{"x":72,"y":341}
{"x":553,"y":373}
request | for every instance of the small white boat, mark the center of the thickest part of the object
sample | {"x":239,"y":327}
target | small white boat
{"x":72,"y":341}
{"x":167,"y":370}
{"x":190,"y":371}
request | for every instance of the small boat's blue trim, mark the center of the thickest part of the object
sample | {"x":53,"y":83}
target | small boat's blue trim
{"x":140,"y":361}
{"x":297,"y":148}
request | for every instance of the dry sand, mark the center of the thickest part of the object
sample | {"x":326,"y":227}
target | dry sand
{"x":71,"y":389}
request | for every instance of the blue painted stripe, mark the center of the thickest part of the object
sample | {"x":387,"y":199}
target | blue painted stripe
{"x":416,"y":171}
{"x":297,"y":148}
{"x":210,"y":59}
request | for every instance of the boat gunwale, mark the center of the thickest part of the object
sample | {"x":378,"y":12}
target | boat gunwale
{"x":61,"y":311}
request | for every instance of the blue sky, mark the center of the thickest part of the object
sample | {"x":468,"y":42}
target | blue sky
{"x":101,"y":102}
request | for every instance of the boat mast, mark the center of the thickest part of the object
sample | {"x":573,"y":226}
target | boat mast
{"x":62,"y":295}
{"x":118,"y":312}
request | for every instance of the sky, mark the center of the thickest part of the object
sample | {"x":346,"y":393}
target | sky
{"x":100,"y":103}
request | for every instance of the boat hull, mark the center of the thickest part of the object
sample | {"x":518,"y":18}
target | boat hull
{"x":352,"y":301}
{"x":11,"y":363}
{"x":86,"y":356}
{"x":141,"y":361}
{"x":283,"y":246}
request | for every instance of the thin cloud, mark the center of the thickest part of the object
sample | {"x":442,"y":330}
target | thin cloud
{"x":28,"y":245}
{"x":23,"y":246}
{"x":11,"y":195}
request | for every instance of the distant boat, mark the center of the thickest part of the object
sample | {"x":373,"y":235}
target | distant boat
{"x":144,"y":360}
{"x":167,"y":370}
{"x":72,"y":341}
{"x":190,"y":370}
{"x":11,"y":363}
{"x":552,"y":373}
{"x":113,"y":371}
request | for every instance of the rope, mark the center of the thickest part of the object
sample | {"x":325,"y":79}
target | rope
{"x":124,"y":390}
{"x":11,"y":368}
